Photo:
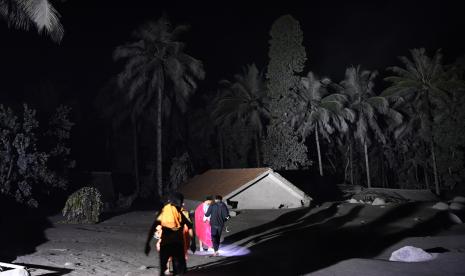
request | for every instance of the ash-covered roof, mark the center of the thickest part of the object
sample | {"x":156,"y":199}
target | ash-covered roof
{"x":221,"y":182}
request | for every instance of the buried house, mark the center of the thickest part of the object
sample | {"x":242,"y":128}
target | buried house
{"x":252,"y":188}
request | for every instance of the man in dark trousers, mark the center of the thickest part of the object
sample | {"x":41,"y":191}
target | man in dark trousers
{"x":219,"y":214}
{"x":169,"y":225}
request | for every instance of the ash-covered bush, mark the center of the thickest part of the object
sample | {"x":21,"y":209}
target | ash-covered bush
{"x":83,"y":206}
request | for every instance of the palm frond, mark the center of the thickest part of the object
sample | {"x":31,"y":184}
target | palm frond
{"x":45,"y":17}
{"x":397,"y":91}
{"x":379,"y":103}
{"x":403,"y":73}
{"x":174,"y":70}
{"x":395,"y":116}
{"x":340,"y":123}
{"x":129,"y":50}
{"x":361,"y":129}
{"x":312,"y":87}
{"x":22,"y":13}
{"x":334,"y":107}
{"x":366,"y":110}
{"x":337,"y":97}
{"x":14,"y":15}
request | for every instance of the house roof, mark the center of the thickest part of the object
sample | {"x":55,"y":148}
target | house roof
{"x":220,"y":182}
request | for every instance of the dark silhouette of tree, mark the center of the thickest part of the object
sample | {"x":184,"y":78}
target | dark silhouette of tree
{"x":22,"y":14}
{"x":449,"y":127}
{"x":245,"y":100}
{"x":422,"y":82}
{"x":158,"y":73}
{"x":320,"y":112}
{"x":358,"y":86}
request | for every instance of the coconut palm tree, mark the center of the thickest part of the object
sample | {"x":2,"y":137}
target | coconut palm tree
{"x":21,"y":14}
{"x":245,"y":99}
{"x":319,"y":111}
{"x":158,"y":73}
{"x":423,"y":81}
{"x":358,"y":86}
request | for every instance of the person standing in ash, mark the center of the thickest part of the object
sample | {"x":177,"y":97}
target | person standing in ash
{"x":169,"y":226}
{"x":219,"y":214}
{"x":202,"y":224}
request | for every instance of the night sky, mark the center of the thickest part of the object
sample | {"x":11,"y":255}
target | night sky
{"x":225,"y":36}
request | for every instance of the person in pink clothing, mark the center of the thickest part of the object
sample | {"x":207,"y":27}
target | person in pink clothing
{"x":202,"y":225}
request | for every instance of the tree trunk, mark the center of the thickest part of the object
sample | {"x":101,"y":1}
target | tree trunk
{"x":383,"y":172}
{"x":425,"y":173}
{"x":366,"y":164}
{"x":220,"y":141}
{"x":257,"y":150}
{"x":10,"y":169}
{"x":433,"y":155}
{"x":346,"y":167}
{"x":318,"y":149}
{"x":328,"y":157}
{"x":351,"y":163}
{"x":159,"y":164}
{"x":136,"y":157}
{"x":435,"y":168}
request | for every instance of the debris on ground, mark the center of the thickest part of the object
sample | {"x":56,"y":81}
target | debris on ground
{"x":411,"y":254}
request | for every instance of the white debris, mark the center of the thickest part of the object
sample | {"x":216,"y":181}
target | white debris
{"x":457,"y":206}
{"x":378,"y":201}
{"x":441,"y":206}
{"x":16,"y":270}
{"x":59,"y":249}
{"x":459,"y":199}
{"x":143,"y":267}
{"x":68,"y":264}
{"x":352,"y":200}
{"x":411,"y":254}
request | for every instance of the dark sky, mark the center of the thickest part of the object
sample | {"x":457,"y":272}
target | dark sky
{"x":228,"y":35}
{"x":224,"y":35}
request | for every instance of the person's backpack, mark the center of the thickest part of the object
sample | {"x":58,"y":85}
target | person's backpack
{"x":170,"y":217}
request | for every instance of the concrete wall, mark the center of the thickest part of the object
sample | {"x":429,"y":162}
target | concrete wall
{"x":269,"y":193}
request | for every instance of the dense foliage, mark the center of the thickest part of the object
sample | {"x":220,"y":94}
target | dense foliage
{"x":407,"y":136}
{"x":282,"y":147}
{"x":32,"y":161}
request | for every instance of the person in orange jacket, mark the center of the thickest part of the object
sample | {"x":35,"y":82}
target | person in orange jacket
{"x":169,"y":225}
